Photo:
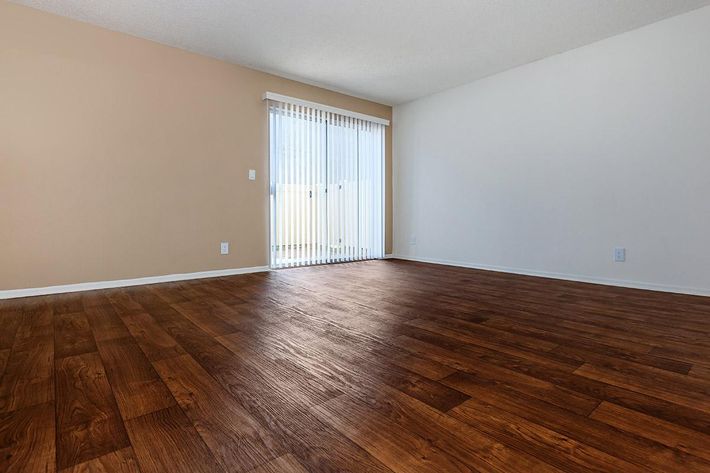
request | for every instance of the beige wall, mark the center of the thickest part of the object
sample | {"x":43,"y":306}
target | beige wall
{"x":122,"y":158}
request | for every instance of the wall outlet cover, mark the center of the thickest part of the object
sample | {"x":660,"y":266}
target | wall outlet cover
{"x":619,"y":255}
{"x":224,"y":248}
{"x":252,"y":174}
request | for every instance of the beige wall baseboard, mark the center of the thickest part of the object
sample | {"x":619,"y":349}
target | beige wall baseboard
{"x":90,"y":286}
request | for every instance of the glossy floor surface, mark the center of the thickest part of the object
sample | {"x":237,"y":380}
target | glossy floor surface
{"x":367,"y":367}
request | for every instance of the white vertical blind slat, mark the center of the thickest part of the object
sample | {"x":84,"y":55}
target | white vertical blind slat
{"x":351,"y":215}
{"x":288,"y":145}
{"x":337,"y":161}
{"x":272,"y":203}
{"x":279,"y":186}
{"x":308,"y":191}
{"x":331,"y":188}
{"x":303,"y":150}
{"x":343,"y":189}
{"x":354,"y":191}
{"x":346,"y":191}
{"x":303,"y":192}
{"x":380,"y":191}
{"x":322,"y":182}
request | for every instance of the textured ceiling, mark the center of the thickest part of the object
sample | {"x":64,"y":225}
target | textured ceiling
{"x":390,"y":51}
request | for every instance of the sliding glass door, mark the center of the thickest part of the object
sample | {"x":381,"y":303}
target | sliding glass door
{"x":326,"y":177}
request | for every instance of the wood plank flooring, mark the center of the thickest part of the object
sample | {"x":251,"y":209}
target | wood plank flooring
{"x":380,"y":366}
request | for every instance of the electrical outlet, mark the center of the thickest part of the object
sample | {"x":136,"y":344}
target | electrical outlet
{"x":224,"y":248}
{"x":252,"y":174}
{"x":619,"y":255}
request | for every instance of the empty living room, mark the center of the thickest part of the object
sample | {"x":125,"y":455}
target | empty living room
{"x":367,"y":236}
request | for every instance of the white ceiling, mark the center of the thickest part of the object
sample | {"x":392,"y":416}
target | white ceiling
{"x":390,"y":51}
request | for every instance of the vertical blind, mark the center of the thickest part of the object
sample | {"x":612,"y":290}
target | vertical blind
{"x":327,"y":186}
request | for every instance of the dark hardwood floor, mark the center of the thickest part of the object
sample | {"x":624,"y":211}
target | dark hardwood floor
{"x":381,"y":366}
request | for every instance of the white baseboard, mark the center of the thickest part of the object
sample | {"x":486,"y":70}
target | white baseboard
{"x":90,"y":286}
{"x":567,"y":277}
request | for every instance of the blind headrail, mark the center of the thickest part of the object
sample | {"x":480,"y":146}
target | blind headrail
{"x":326,"y":108}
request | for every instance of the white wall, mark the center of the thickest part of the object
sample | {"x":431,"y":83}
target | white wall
{"x":547,"y":167}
